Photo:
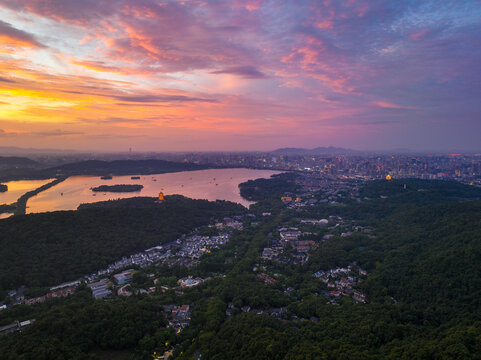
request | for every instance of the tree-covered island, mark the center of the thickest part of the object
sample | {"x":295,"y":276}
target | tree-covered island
{"x":118,"y":188}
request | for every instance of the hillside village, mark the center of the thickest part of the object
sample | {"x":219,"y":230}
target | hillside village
{"x":291,"y":243}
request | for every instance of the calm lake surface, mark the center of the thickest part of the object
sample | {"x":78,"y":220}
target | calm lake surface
{"x":216,"y":184}
{"x":18,"y":188}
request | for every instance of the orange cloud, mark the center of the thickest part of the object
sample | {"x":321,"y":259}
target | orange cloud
{"x":96,"y":66}
{"x":101,"y":66}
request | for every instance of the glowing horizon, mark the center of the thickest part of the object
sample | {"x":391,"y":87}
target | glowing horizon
{"x":239,"y":75}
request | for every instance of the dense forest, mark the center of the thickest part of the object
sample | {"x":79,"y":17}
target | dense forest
{"x":5,"y":208}
{"x":420,"y":191}
{"x":383,"y":198}
{"x":261,"y":189}
{"x":423,"y":282}
{"x":70,"y":330}
{"x":48,"y":248}
{"x":423,"y":286}
{"x":118,"y":188}
{"x":134,"y":202}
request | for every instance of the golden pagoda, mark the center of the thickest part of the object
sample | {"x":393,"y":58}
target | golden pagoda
{"x":388,"y":177}
{"x":161,"y":196}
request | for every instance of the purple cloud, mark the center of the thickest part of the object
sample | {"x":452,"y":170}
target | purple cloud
{"x":4,"y":79}
{"x":159,"y":98}
{"x":55,"y":133}
{"x":246,"y":72}
{"x":16,"y":38}
{"x":407,"y":64}
{"x":75,"y":11}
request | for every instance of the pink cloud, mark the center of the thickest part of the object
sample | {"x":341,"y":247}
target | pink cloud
{"x":390,"y":105}
{"x":325,"y":24}
{"x":253,"y":5}
{"x":80,"y":12}
{"x":323,"y":57}
{"x":418,"y":35}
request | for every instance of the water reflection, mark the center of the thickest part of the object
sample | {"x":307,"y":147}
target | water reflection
{"x":18,"y":188}
{"x":216,"y":184}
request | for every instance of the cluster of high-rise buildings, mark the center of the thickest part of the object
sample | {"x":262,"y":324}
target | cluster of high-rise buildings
{"x":463,"y":167}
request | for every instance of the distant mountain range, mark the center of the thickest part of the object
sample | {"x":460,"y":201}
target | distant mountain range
{"x":16,"y":167}
{"x":316,"y":151}
{"x":121,"y":167}
{"x":13,"y":161}
{"x":99,"y":168}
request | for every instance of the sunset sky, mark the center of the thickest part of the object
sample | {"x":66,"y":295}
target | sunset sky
{"x":192,"y":75}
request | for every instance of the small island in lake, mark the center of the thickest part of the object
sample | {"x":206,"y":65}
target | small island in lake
{"x":106,"y":177}
{"x":118,"y":188}
{"x":135,"y":177}
{"x":3,"y":188}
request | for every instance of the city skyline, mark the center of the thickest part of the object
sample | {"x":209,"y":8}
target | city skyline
{"x":240,"y":75}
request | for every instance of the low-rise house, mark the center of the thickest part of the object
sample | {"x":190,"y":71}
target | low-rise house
{"x":180,"y":316}
{"x":52,"y":294}
{"x":288,"y":291}
{"x":189,"y":282}
{"x":267,"y":254}
{"x":124,"y":277}
{"x":267,"y":279}
{"x":359,"y":297}
{"x":100,"y":289}
{"x":123,"y":291}
{"x":16,"y":326}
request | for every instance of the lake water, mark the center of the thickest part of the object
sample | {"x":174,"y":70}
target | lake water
{"x":216,"y":184}
{"x":18,"y":188}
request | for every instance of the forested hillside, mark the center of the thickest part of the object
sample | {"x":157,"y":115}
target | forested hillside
{"x":420,"y":255}
{"x":275,"y":186}
{"x":48,"y":248}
